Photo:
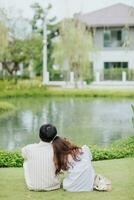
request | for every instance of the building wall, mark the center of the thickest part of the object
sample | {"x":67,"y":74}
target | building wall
{"x":99,"y":57}
{"x":98,"y":39}
{"x":111,"y":54}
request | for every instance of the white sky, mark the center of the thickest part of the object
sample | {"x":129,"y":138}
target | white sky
{"x":61,"y":8}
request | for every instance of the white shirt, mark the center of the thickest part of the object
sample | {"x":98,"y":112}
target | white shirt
{"x":80,"y":176}
{"x":39,"y":168}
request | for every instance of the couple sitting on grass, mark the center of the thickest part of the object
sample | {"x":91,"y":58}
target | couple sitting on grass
{"x":43,"y":163}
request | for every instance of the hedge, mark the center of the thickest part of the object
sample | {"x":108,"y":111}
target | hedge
{"x":119,"y":149}
{"x":10,"y":159}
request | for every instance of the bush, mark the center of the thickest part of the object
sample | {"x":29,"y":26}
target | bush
{"x":10,"y":159}
{"x":119,"y":149}
{"x":113,"y":74}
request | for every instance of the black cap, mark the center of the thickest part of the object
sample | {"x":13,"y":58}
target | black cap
{"x":47,"y":132}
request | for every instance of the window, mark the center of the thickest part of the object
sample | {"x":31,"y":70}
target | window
{"x":125,"y":37}
{"x":107,"y":38}
{"x":110,"y":65}
{"x":115,"y":37}
{"x":113,"y":70}
{"x":119,"y":35}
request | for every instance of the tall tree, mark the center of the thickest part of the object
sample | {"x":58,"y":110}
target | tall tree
{"x":3,"y":35}
{"x":37,"y":27}
{"x":12,"y":41}
{"x":133,"y":114}
{"x":73,"y":46}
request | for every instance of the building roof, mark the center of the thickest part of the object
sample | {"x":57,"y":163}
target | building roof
{"x":115,"y":15}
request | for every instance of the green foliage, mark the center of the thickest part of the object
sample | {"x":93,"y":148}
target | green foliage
{"x":113,"y":74}
{"x":57,"y":75}
{"x":23,"y":47}
{"x":37,"y":27}
{"x":16,"y":51}
{"x":133,"y":114}
{"x":35,"y":88}
{"x":10,"y":159}
{"x":3,"y":34}
{"x":5,"y":106}
{"x":72,"y":48}
{"x":116,"y":74}
{"x":32,"y":50}
{"x":119,"y":149}
{"x":130,"y":74}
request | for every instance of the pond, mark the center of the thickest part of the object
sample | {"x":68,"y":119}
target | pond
{"x":83,"y":120}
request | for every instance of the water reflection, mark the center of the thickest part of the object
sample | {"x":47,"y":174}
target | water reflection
{"x":83,"y":120}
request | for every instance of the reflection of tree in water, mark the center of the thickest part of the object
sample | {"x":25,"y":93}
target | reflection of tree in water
{"x":14,"y":131}
{"x":83,"y":120}
{"x":22,"y":127}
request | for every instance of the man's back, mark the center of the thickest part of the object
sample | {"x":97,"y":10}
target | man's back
{"x":39,"y":167}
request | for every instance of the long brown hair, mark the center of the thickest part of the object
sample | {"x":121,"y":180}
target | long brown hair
{"x":62,"y":149}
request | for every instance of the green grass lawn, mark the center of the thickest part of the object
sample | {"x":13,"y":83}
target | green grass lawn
{"x":120,"y":172}
{"x":28,"y":88}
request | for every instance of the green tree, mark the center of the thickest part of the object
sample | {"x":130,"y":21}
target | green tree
{"x":133,"y":113}
{"x":74,"y":45}
{"x":32,"y":50}
{"x":11,"y":42}
{"x":3,"y":35}
{"x":52,"y":30}
{"x":17,"y":44}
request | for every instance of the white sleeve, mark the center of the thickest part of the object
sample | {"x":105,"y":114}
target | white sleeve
{"x":88,"y":151}
{"x":24,"y":152}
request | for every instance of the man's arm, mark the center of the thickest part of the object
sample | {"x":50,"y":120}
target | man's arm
{"x":24,"y":152}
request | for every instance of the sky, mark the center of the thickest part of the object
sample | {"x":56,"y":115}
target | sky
{"x":61,"y":8}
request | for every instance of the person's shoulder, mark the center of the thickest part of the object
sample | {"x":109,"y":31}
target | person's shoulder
{"x":87,"y":151}
{"x":85,"y":147}
{"x":30,"y":146}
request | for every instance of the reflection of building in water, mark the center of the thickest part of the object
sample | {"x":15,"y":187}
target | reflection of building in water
{"x":110,"y":119}
{"x":28,"y":120}
{"x":83,"y":120}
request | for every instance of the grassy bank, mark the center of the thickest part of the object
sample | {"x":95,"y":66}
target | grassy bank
{"x":29,"y":89}
{"x":119,"y":149}
{"x":120,"y":172}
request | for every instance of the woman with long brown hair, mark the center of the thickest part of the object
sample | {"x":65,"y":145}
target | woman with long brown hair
{"x":77,"y":162}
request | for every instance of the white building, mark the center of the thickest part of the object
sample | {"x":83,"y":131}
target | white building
{"x":113,"y":37}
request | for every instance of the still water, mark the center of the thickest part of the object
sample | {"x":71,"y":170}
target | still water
{"x":83,"y":120}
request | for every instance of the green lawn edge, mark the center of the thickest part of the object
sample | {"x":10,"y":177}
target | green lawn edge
{"x":46,"y":92}
{"x":33,"y":89}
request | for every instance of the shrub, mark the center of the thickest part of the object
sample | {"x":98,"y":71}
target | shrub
{"x":119,"y":149}
{"x":10,"y":159}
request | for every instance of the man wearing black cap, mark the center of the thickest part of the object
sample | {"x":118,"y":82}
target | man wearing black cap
{"x":39,"y":168}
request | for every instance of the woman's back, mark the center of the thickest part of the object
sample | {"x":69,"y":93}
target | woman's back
{"x":80,"y":175}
